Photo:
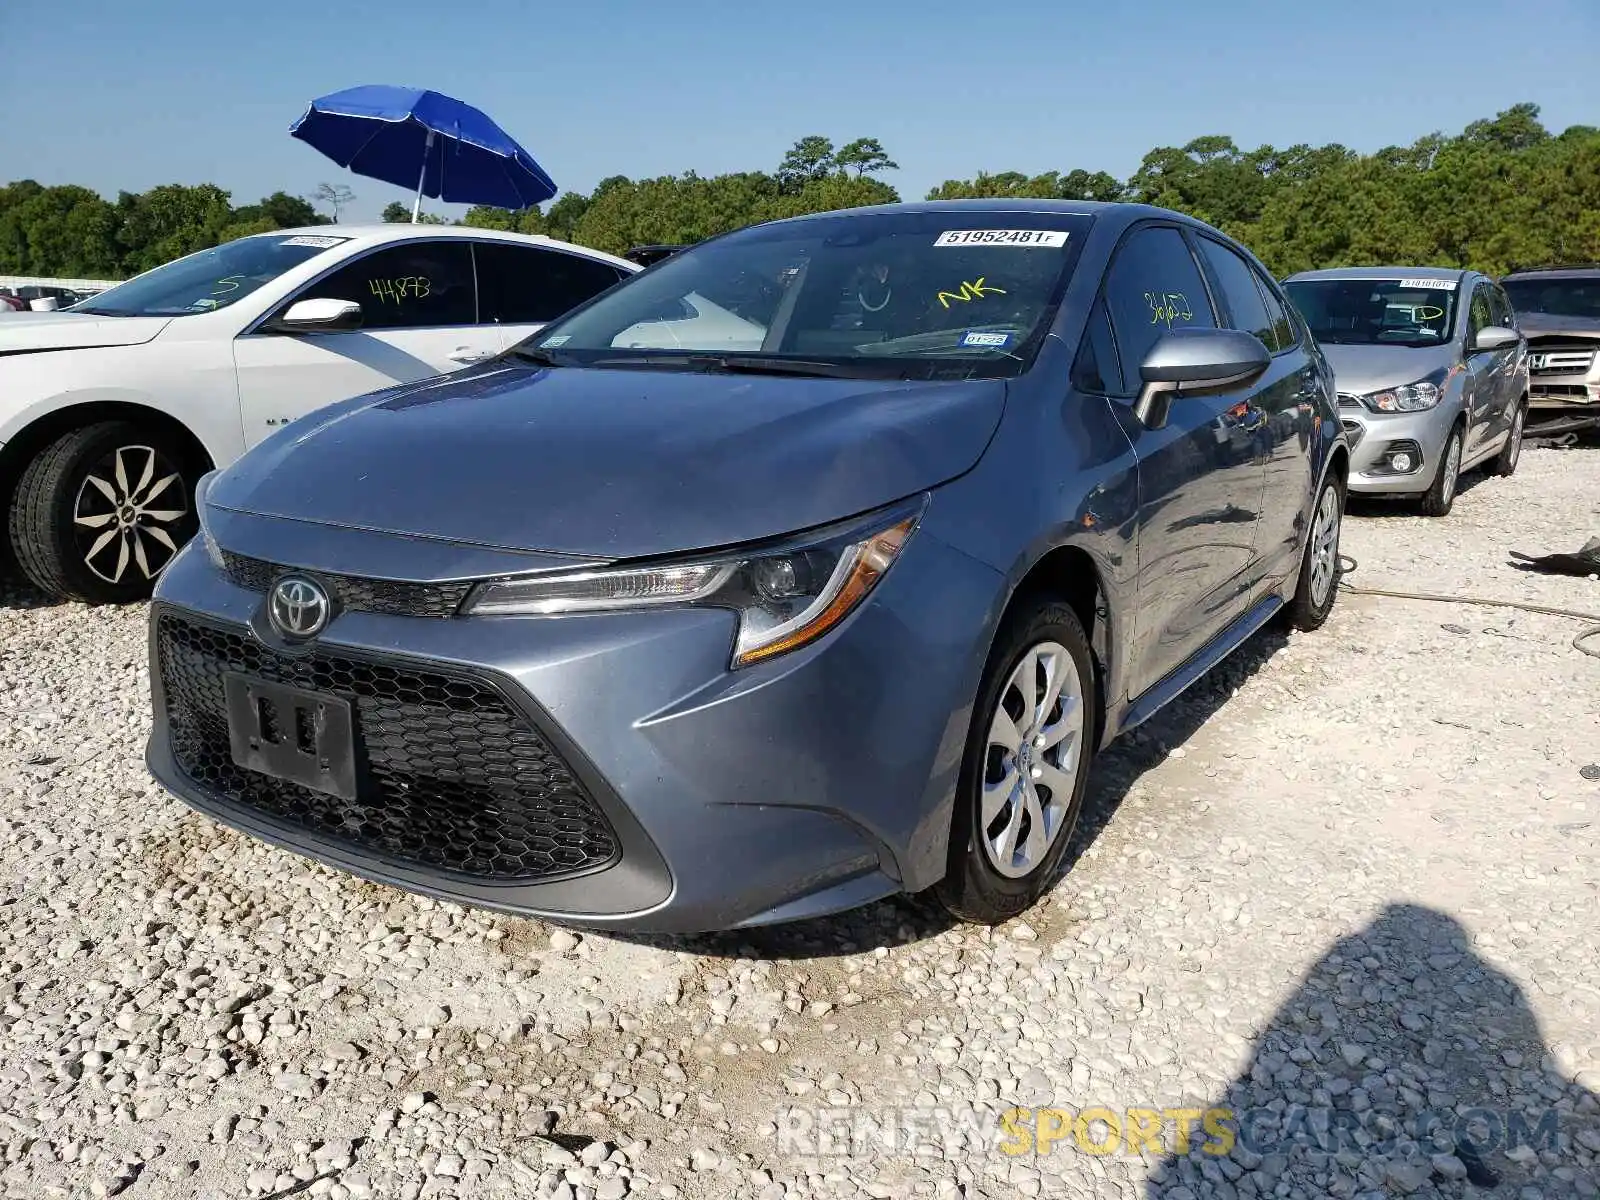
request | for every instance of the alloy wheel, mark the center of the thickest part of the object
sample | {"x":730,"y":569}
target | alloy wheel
{"x":1517,"y":424}
{"x":1325,"y":545}
{"x":1452,"y":469}
{"x":1034,"y":754}
{"x":125,"y":510}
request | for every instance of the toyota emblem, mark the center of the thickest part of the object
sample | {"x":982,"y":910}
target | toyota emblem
{"x":299,"y":607}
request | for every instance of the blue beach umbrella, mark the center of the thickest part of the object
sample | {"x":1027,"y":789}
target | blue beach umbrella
{"x":412,"y":137}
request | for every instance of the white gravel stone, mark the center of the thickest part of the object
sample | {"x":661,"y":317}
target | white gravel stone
{"x":1350,"y":870}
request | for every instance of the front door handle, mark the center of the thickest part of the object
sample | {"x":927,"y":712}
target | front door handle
{"x":467,"y":355}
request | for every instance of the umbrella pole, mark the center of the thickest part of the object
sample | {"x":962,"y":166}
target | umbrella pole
{"x":416,"y":205}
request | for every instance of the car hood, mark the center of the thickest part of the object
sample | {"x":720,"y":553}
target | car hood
{"x":75,"y":331}
{"x":613,"y":463}
{"x":1362,"y":369}
{"x":1538,"y":324}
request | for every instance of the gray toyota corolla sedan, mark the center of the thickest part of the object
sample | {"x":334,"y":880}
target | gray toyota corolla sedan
{"x":811,"y":566}
{"x":1432,"y":374}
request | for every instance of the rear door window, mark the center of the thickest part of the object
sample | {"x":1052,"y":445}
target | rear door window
{"x":1284,"y":334}
{"x":1153,"y":286}
{"x":525,"y":285}
{"x":1236,"y":284}
{"x":410,"y":285}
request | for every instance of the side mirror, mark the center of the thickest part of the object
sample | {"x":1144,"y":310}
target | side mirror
{"x":319,"y":316}
{"x":1495,"y":337}
{"x":1192,"y":360}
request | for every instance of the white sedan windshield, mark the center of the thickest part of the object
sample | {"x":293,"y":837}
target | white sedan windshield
{"x":211,"y":279}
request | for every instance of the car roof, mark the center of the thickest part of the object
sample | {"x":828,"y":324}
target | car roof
{"x":1455,"y":273}
{"x":379,"y":232}
{"x":1571,"y":271}
{"x":1009,"y":204}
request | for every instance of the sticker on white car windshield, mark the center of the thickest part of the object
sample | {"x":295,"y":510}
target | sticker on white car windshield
{"x":322,"y":243}
{"x":1430,"y":285}
{"x":996,"y":341}
{"x":1028,"y":238}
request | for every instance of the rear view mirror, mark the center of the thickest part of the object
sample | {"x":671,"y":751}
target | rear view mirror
{"x":319,"y":316}
{"x":1495,"y":337}
{"x":1190,"y":360}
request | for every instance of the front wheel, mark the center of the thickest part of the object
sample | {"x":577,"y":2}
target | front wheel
{"x":1441,"y":494}
{"x":1026,"y":765}
{"x":101,"y":511}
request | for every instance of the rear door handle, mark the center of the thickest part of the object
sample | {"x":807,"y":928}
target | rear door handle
{"x":466,"y":354}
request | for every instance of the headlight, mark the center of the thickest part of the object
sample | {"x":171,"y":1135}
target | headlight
{"x":786,"y":595}
{"x":1411,"y":397}
{"x":213,"y":551}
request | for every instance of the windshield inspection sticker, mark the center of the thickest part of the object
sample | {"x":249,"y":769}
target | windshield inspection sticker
{"x":322,"y":243}
{"x":561,"y":339}
{"x":996,"y":341}
{"x":1026,"y":238}
{"x":1431,"y":285}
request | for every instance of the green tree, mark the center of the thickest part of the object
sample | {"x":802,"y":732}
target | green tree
{"x":282,"y":210}
{"x":809,"y":159}
{"x":864,"y":156}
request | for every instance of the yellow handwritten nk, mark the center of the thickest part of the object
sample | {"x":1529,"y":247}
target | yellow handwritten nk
{"x":970,"y":291}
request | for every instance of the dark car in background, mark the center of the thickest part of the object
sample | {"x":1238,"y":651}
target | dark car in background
{"x":630,"y":632}
{"x":1559,"y":311}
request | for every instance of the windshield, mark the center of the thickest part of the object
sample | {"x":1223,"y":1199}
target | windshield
{"x":909,"y":295}
{"x":209,"y":280}
{"x":1372,"y":312}
{"x":1556,"y":297}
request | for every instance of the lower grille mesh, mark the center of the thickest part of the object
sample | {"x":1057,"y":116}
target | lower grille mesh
{"x":450,"y":777}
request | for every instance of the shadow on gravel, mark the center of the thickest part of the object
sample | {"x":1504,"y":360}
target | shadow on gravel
{"x":905,"y":919}
{"x":1403,"y":1063}
{"x":14,"y":593}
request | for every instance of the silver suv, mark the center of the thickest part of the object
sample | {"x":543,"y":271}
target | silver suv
{"x":1431,"y":370}
{"x":1558,"y":309}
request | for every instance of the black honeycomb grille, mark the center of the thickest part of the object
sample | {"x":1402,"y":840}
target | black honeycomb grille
{"x":394,"y":597}
{"x":450,"y":775}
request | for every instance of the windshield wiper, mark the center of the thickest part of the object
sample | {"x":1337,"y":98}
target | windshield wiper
{"x":542,"y":357}
{"x":751,"y":365}
{"x":99,"y":312}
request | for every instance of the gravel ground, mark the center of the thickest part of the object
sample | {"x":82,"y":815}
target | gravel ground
{"x":1351,"y":877}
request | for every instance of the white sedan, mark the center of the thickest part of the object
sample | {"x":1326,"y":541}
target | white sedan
{"x":111,"y":410}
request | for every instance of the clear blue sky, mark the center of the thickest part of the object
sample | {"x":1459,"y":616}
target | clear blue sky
{"x":117,"y":94}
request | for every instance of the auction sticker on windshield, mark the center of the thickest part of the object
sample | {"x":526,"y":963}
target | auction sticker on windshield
{"x":996,"y":340}
{"x":1028,"y":238}
{"x":307,"y":240}
{"x":1430,"y":285}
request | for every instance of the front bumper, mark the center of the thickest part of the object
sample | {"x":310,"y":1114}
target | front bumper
{"x":1373,"y":437}
{"x":807,"y":785}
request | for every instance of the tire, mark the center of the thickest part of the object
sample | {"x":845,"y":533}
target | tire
{"x":1318,"y":585}
{"x":1505,"y":463}
{"x":1036,"y":818}
{"x":1441,"y":494}
{"x":100,"y":512}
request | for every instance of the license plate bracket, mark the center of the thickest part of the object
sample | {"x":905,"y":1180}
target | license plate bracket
{"x":292,"y":734}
